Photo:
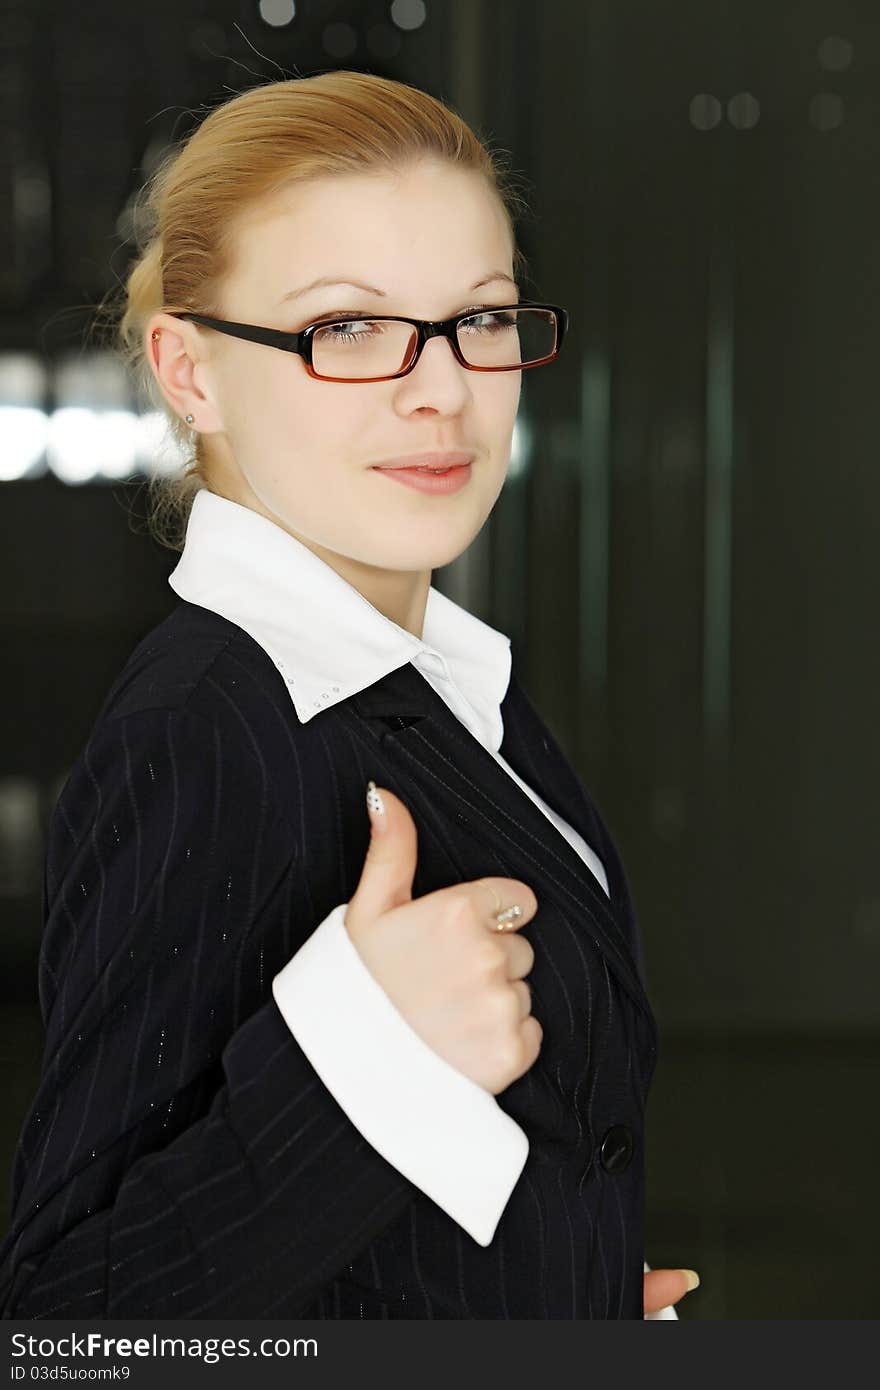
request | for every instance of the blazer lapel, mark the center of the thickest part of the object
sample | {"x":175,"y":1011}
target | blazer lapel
{"x":419,"y":730}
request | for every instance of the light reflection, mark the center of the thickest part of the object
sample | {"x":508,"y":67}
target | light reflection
{"x":705,"y":111}
{"x":94,"y":434}
{"x":743,"y":111}
{"x":408,"y":14}
{"x":520,"y":448}
{"x":277,"y":12}
{"x":24,"y":429}
{"x":84,"y":444}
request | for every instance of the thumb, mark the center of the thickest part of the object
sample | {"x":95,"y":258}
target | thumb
{"x":390,"y":864}
{"x":666,"y":1286}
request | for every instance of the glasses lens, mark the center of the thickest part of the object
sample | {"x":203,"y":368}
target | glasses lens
{"x":370,"y":349}
{"x":362,"y":349}
{"x":507,"y":337}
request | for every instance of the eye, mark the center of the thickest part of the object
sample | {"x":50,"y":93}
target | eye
{"x":489,"y":321}
{"x":350,"y":330}
{"x":476,"y":308}
{"x":332,"y":316}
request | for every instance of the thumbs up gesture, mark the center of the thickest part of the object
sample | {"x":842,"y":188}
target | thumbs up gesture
{"x":458,"y":983}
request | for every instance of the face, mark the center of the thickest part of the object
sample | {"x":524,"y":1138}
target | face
{"x":302,"y":451}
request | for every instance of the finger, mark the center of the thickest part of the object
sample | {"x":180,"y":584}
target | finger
{"x":524,"y":995}
{"x":520,"y":954}
{"x":507,"y":891}
{"x":665,"y":1286}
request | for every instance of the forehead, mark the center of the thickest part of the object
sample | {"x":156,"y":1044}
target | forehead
{"x":391,"y":230}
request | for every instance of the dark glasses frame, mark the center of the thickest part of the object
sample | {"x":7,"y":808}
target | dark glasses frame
{"x":301,"y":343}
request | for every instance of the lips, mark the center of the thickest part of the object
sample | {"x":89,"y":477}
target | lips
{"x":454,"y":459}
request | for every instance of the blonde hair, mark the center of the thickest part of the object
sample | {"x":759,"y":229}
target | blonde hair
{"x":263,"y":140}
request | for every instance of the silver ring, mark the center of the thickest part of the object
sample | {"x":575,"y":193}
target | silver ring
{"x":503,"y":916}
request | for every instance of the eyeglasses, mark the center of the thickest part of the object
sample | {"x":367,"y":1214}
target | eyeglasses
{"x":503,"y":338}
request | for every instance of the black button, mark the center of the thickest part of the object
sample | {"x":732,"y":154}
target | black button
{"x":617,"y":1149}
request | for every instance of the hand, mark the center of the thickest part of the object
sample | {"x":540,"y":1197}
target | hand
{"x":458,"y":983}
{"x":665,"y":1286}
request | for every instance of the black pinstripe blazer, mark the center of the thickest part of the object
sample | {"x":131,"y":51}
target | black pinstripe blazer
{"x":182,"y":1158}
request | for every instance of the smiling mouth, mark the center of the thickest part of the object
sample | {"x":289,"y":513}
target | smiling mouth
{"x":441,"y":461}
{"x":423,"y":468}
{"x":429,"y":478}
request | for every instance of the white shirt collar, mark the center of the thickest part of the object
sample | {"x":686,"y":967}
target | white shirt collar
{"x":326,"y":639}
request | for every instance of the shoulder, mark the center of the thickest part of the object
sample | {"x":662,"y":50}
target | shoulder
{"x":201,"y":666}
{"x":196,"y":683}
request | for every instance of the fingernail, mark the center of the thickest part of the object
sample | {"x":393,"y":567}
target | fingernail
{"x":376,"y":808}
{"x":693,"y":1278}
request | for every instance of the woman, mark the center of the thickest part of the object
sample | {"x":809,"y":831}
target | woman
{"x":291,"y":1065}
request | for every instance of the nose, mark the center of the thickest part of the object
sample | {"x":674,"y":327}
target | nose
{"x":438,"y":379}
{"x":437,"y":343}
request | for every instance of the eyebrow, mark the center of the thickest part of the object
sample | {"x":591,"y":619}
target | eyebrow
{"x":371,"y":289}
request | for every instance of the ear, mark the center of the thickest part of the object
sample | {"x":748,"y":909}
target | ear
{"x":177,"y":360}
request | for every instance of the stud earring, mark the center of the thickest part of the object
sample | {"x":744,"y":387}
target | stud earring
{"x":155,"y":334}
{"x":189,"y":419}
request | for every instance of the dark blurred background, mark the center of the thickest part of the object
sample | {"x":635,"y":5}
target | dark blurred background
{"x":684,"y":554}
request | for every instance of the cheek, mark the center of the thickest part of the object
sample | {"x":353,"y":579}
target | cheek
{"x":288,"y":431}
{"x":499,"y":401}
{"x":308,"y":435}
{"x":259,"y":392}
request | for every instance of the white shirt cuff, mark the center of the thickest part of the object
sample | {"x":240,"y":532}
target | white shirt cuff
{"x":661,"y":1313}
{"x":446,"y":1134}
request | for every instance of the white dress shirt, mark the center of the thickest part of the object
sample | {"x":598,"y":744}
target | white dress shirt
{"x":445,"y":1133}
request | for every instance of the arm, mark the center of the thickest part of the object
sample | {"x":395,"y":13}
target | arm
{"x":182,"y":1158}
{"x":445,"y":1133}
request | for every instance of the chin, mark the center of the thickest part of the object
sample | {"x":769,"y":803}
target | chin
{"x":436,"y":556}
{"x":431,"y":553}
